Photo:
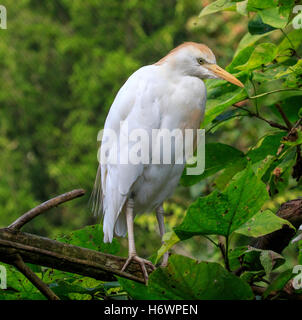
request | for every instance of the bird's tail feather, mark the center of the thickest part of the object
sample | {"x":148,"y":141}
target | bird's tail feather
{"x":96,"y":198}
{"x":114,"y":219}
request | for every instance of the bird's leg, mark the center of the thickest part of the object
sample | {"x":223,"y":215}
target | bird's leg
{"x":131,"y":243}
{"x":160,"y":219}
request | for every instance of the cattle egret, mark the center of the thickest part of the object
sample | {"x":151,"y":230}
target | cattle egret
{"x":169,"y":94}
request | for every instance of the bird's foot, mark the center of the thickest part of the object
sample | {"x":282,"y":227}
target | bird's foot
{"x":142,"y":262}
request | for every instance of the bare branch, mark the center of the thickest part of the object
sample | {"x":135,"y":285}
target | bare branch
{"x":28,"y":216}
{"x":62,"y":256}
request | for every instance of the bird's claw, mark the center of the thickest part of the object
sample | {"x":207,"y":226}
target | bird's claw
{"x":142,"y":262}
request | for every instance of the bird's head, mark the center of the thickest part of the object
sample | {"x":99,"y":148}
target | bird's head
{"x":195,"y":59}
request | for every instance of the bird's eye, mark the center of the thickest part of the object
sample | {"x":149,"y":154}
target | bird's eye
{"x":200,"y":61}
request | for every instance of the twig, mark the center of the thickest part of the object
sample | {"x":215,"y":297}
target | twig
{"x":33,"y":278}
{"x":283,"y":115}
{"x":274,"y":91}
{"x":256,"y":104}
{"x":253,"y":114}
{"x":28,"y":216}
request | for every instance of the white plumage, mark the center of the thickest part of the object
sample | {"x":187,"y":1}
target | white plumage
{"x":167,"y":95}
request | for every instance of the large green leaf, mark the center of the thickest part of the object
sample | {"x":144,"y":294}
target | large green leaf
{"x":185,"y":278}
{"x":217,"y":6}
{"x":273,"y":18}
{"x":90,"y":237}
{"x":223,"y":213}
{"x":217,"y":157}
{"x":229,"y":172}
{"x":262,"y":223}
{"x":264,"y":53}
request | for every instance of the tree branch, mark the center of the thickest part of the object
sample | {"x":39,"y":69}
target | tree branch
{"x":283,"y":115}
{"x":253,"y":114}
{"x":33,"y":278}
{"x":28,"y":216}
{"x":62,"y":256}
{"x":17,"y":247}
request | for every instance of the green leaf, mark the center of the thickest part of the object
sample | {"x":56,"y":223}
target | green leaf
{"x":278,"y":180}
{"x":294,"y":143}
{"x":263,"y":54}
{"x":286,"y":7}
{"x":270,"y":260}
{"x":252,"y":276}
{"x":249,"y":40}
{"x":279,"y":282}
{"x":220,"y":98}
{"x":261,"y":4}
{"x":291,"y":42}
{"x":240,"y":58}
{"x":170,"y":239}
{"x":262,"y":223}
{"x":90,"y":237}
{"x":138,"y":291}
{"x":256,"y":26}
{"x":223,"y":213}
{"x":229,"y":172}
{"x":217,"y":157}
{"x":185,"y":278}
{"x":267,"y":145}
{"x":262,"y":166}
{"x":272,"y":17}
{"x":219,"y":5}
{"x":241,"y":7}
{"x":292,"y":75}
{"x":19,"y":287}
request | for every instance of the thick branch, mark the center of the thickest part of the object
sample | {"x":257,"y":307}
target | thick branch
{"x":62,"y":256}
{"x":28,"y":216}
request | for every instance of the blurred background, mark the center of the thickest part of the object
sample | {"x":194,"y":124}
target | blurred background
{"x":61,"y":64}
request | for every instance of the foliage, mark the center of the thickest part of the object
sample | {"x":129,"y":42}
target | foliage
{"x":62,"y":63}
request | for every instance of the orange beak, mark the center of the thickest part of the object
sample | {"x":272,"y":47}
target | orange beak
{"x":221,"y":73}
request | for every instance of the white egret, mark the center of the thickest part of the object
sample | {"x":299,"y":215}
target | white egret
{"x":169,"y":94}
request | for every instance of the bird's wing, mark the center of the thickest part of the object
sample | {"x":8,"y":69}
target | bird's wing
{"x":137,"y":106}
